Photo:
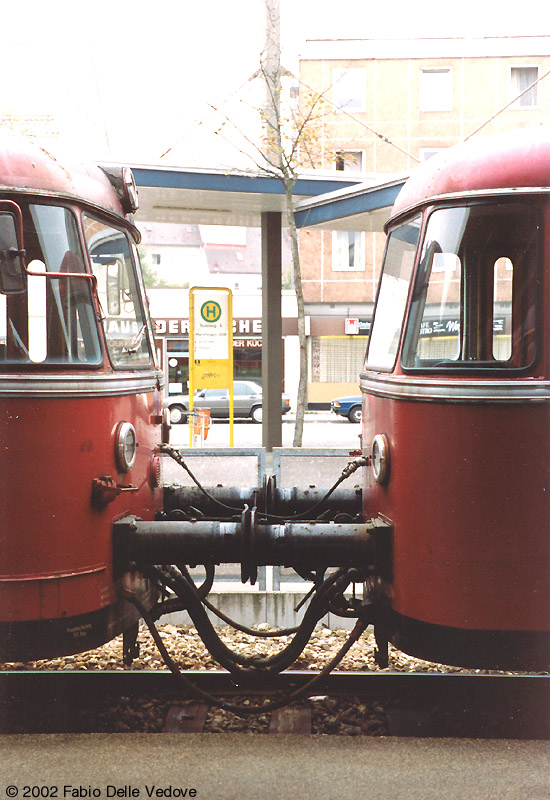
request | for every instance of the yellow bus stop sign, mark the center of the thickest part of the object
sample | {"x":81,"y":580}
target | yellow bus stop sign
{"x":211,"y":343}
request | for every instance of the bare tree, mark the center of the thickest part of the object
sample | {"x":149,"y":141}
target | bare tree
{"x":290,"y":141}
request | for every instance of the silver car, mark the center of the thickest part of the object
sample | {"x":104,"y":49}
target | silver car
{"x":247,"y":402}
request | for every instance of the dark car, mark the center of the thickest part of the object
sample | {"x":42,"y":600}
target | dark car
{"x":349,"y":407}
{"x":247,"y":402}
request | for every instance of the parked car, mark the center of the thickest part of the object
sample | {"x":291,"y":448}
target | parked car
{"x":247,"y":402}
{"x":350,"y":407}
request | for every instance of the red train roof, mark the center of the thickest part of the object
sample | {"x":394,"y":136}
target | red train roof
{"x":518,"y":159}
{"x":26,"y":165}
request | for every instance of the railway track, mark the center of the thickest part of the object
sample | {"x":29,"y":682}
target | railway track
{"x":406,"y":704}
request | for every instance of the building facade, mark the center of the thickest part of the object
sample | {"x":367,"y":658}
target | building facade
{"x":388,"y":106}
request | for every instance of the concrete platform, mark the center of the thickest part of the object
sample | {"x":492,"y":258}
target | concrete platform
{"x":273,"y":767}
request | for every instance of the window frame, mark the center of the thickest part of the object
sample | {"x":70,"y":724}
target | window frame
{"x":518,"y":105}
{"x":349,"y":161}
{"x":359,"y":246}
{"x":427,"y":104}
{"x":135,"y":267}
{"x":74,"y":212}
{"x":493,"y":367}
{"x":357,"y":107}
{"x":419,"y":218}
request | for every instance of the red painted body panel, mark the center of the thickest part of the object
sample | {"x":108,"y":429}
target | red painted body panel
{"x":57,"y":559}
{"x":518,"y":159}
{"x":469,"y":485}
{"x":468,"y":496}
{"x":25,"y":165}
{"x":58,"y":593}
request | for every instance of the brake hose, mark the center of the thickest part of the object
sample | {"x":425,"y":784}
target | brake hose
{"x":230,"y":660}
{"x":348,"y":470}
{"x":233,"y":623}
{"x":243,"y":711}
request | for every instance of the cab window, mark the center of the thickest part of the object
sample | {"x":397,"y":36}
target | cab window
{"x":474,"y":299}
{"x":47,"y":315}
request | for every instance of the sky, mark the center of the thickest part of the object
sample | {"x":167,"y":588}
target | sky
{"x":131,"y":81}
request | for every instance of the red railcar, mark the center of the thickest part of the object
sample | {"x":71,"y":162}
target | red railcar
{"x":456,"y":405}
{"x":80,"y":403}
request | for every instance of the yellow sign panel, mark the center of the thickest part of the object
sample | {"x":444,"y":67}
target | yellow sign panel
{"x":211,"y":343}
{"x":211,"y":374}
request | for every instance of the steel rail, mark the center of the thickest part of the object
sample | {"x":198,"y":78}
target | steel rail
{"x":475,"y":705}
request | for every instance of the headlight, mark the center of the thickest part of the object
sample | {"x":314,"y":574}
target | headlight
{"x":381,"y":458}
{"x":125,"y":446}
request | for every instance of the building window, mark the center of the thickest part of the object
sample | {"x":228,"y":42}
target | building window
{"x":349,"y":88}
{"x":348,"y":251}
{"x":337,"y":359}
{"x":155,"y":258}
{"x":436,"y":89}
{"x":349,"y":161}
{"x":522,"y":79}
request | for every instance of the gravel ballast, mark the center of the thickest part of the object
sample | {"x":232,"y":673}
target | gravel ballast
{"x":344,"y":716}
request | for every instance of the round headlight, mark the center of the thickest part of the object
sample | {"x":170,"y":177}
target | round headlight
{"x":380,"y":458}
{"x":125,"y":446}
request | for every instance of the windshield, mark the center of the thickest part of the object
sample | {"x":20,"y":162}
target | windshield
{"x":46,"y":320}
{"x":474,"y":299}
{"x":124,"y":320}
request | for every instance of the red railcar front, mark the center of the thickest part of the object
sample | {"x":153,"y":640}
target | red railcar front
{"x":80,"y":405}
{"x":457,"y":406}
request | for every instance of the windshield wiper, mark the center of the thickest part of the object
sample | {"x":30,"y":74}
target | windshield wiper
{"x":135,"y":343}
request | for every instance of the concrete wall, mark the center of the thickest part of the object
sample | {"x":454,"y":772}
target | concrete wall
{"x":254,"y":608}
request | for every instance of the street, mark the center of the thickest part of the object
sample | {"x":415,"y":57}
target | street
{"x":321,"y":429}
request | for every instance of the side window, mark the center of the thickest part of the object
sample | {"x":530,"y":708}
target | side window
{"x":503,"y":281}
{"x":393,"y":290}
{"x":124,"y":320}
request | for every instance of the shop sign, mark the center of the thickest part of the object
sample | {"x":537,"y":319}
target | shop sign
{"x":356,"y":325}
{"x":450,"y":326}
{"x":242,"y":327}
{"x":246,"y":343}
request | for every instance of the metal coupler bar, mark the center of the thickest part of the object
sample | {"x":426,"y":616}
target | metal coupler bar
{"x":310,"y":545}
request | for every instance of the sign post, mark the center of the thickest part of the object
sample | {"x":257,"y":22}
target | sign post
{"x":211,"y":344}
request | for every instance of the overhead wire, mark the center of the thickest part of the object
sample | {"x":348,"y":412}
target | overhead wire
{"x":510,"y":103}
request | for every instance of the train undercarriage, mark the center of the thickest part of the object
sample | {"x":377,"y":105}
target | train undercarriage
{"x":321,"y":534}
